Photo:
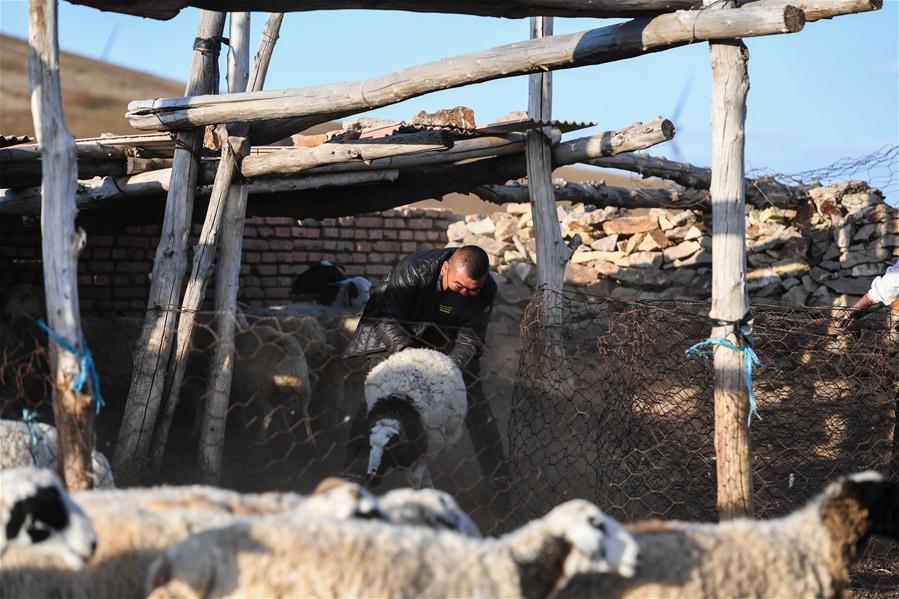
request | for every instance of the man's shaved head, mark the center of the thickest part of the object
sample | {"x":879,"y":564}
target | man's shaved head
{"x":466,"y":270}
{"x":471,"y":260}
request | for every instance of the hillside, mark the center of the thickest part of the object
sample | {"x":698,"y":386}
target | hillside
{"x":95,"y":94}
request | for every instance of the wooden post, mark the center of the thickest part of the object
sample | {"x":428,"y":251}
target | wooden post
{"x":212,"y":430}
{"x":60,"y":244}
{"x":730,"y":300}
{"x":552,"y":253}
{"x":155,"y":344}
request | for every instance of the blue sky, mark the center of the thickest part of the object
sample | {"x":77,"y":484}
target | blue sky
{"x":828,"y":92}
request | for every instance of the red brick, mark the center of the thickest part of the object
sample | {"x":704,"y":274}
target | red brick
{"x":278,"y":293}
{"x":330,"y":232}
{"x":436,"y":236}
{"x":329,"y":222}
{"x":379,"y":269}
{"x":269,"y":257}
{"x":266,"y":269}
{"x":290,"y":269}
{"x":265,"y":232}
{"x":355,"y":269}
{"x":252,"y":292}
{"x":362,"y":246}
{"x":420,"y":223}
{"x":360,"y":234}
{"x":347,"y":233}
{"x":282,"y":231}
{"x":299,"y":256}
{"x":269,"y":281}
{"x":360,"y":258}
{"x":369,"y":222}
{"x":387,"y":246}
{"x":329,"y":245}
{"x":85,"y":280}
{"x":245,"y":269}
{"x":391,"y":234}
{"x":101,"y":280}
{"x":346,"y":221}
{"x":421,"y":235}
{"x":315,"y":256}
{"x":255,"y":244}
{"x":99,"y":240}
{"x":406,"y":235}
{"x":409,"y":246}
{"x":376,"y":234}
{"x":280,"y":244}
{"x":394,"y":223}
{"x":251,"y":258}
{"x":296,"y":231}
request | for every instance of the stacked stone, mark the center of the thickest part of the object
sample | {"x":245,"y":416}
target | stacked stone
{"x":823,"y":253}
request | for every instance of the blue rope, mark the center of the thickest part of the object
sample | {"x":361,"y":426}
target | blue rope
{"x":750,"y":359}
{"x":30,"y":418}
{"x":87,"y":367}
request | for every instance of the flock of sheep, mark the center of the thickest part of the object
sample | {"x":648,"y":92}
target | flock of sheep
{"x":342,"y":541}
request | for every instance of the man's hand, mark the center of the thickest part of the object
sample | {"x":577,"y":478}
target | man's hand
{"x":848,"y":315}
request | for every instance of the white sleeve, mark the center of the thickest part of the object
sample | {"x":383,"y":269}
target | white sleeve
{"x":885,"y":289}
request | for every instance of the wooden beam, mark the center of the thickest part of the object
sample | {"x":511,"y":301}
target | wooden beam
{"x":760,"y":192}
{"x":294,"y":160}
{"x":308,"y":106}
{"x":434,"y":182}
{"x":600,"y":195}
{"x":730,"y":298}
{"x":73,"y":412}
{"x":170,"y":264}
{"x":816,"y":10}
{"x":166,"y":9}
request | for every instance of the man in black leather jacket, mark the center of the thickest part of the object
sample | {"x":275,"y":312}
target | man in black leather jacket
{"x":440,"y":299}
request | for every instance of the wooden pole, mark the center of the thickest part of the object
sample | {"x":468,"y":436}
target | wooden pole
{"x":155,"y":344}
{"x":730,"y":300}
{"x":311,"y":105}
{"x":60,"y":244}
{"x":600,"y":195}
{"x":212,"y":431}
{"x":205,"y":251}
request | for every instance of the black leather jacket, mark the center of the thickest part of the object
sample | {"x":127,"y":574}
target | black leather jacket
{"x":402,"y":309}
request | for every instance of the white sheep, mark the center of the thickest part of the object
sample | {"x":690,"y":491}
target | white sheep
{"x":37,"y":446}
{"x":37,"y":514}
{"x":804,"y":554}
{"x":427,"y":507}
{"x":416,"y":405}
{"x":134,"y":526}
{"x":286,"y":556}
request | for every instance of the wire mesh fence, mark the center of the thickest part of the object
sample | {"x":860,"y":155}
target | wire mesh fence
{"x":623,"y":417}
{"x":600,"y":402}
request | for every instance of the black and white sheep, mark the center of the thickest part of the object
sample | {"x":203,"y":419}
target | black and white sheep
{"x":35,"y":444}
{"x":327,"y":285}
{"x":804,"y":554}
{"x":288,"y":556}
{"x":416,"y":405}
{"x":37,"y":514}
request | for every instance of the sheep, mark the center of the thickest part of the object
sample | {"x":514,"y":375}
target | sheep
{"x":328,"y":286}
{"x":38,"y":514}
{"x":289,"y":556}
{"x":427,"y":507}
{"x":136,"y":525}
{"x":20,"y":446}
{"x":804,"y":554}
{"x":423,"y":507}
{"x":416,"y":405}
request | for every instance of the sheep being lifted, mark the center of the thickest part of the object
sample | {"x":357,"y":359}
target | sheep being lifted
{"x":416,"y":406}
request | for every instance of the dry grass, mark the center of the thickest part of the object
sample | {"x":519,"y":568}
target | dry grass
{"x":95,"y":94}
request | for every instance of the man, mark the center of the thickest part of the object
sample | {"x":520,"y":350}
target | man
{"x":441,"y":299}
{"x":884,"y":290}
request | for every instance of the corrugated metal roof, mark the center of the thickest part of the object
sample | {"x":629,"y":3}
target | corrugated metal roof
{"x":14,"y":140}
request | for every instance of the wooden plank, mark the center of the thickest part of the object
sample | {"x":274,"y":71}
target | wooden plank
{"x":170,"y":264}
{"x":73,"y":413}
{"x":295,"y":160}
{"x":600,"y":195}
{"x":166,"y":9}
{"x":730,"y":298}
{"x":816,"y":10}
{"x":317,"y":104}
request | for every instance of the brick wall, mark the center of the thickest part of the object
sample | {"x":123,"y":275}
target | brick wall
{"x":114,"y":268}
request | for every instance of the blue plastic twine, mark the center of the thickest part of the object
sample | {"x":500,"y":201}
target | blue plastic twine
{"x":87,"y":367}
{"x":750,"y":359}
{"x":30,"y":418}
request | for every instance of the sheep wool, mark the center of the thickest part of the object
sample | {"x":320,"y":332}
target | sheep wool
{"x":287,"y":556}
{"x":433,"y":383}
{"x":19,"y":448}
{"x":804,"y":554}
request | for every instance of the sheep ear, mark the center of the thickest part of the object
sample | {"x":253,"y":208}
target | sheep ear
{"x":44,"y":506}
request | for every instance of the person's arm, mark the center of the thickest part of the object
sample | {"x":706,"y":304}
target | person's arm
{"x":398,"y":302}
{"x":884,"y":290}
{"x":471,"y":338}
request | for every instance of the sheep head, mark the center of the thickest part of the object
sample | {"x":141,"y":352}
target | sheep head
{"x":857,"y":506}
{"x":574,"y":538}
{"x":342,"y":499}
{"x":38,"y":513}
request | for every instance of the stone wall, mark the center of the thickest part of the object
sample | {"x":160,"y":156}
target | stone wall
{"x":114,"y":268}
{"x":823,"y":254}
